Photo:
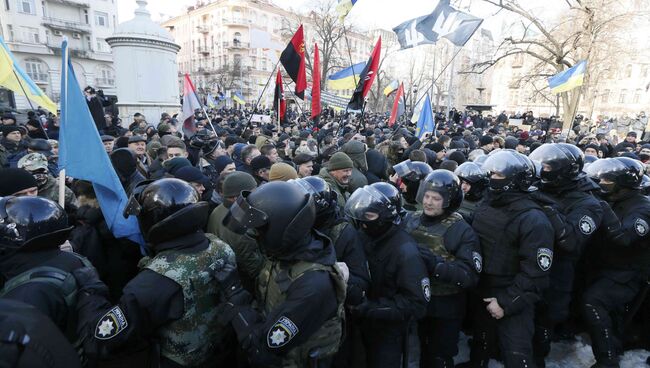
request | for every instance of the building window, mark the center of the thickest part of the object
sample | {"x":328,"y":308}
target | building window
{"x":622,"y":96}
{"x":36,"y":70}
{"x":101,"y":19}
{"x":105,"y":76}
{"x":26,"y":6}
{"x":6,"y":4}
{"x":628,"y":71}
{"x":89,"y":43}
{"x":637,"y":96}
{"x":10,"y":30}
{"x":236,"y":39}
{"x":86,"y":17}
{"x":102,"y":46}
{"x":30,"y":35}
{"x":605,"y":98}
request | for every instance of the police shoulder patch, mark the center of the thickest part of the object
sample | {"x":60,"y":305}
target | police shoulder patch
{"x":587,"y":225}
{"x":641,"y":227}
{"x":111,"y":324}
{"x":478,"y":261}
{"x":426,"y":288}
{"x":544,"y":258}
{"x":281,"y":333}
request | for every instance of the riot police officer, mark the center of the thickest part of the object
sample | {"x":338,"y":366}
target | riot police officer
{"x":400,"y":288}
{"x":33,"y":269}
{"x":451,"y":252}
{"x":301,"y":290}
{"x":517,"y":247}
{"x":411,"y":173}
{"x":562,"y":179}
{"x":349,"y":250}
{"x":474,"y":182}
{"x":622,"y":255}
{"x":169,"y":307}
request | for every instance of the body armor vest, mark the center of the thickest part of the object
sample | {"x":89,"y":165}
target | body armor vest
{"x":274,"y":281}
{"x":433,"y":238}
{"x":467,"y":209}
{"x":192,"y":339}
{"x":498,"y":245}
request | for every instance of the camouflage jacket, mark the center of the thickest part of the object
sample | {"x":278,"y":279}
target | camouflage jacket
{"x":51,"y":191}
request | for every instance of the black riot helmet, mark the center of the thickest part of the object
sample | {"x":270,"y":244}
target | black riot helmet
{"x":445,"y":183}
{"x":374,"y":208}
{"x":325,"y":199}
{"x":411,"y":173}
{"x":167,"y":209}
{"x":517,"y":171}
{"x":562,"y":164}
{"x":279,"y":214}
{"x":32,"y":223}
{"x":472,"y":174}
{"x":618,"y":172}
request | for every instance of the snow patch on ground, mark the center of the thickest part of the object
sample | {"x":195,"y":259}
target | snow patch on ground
{"x":567,"y":354}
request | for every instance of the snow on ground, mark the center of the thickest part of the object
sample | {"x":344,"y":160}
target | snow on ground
{"x":567,"y":354}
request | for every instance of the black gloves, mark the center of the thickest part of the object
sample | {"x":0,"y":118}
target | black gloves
{"x":88,"y":281}
{"x":228,"y":279}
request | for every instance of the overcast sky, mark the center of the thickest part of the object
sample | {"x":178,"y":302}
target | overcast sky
{"x":366,"y":14}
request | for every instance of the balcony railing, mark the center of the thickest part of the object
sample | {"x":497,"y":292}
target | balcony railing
{"x":203,"y":29}
{"x":236,"y":45}
{"x":204,"y":50}
{"x":38,"y":77}
{"x":75,"y":53}
{"x":105,"y":82}
{"x":81,"y":4}
{"x":236,"y":21}
{"x":67,"y":25}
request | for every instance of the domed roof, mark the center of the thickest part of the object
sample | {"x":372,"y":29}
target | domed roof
{"x":142,"y":26}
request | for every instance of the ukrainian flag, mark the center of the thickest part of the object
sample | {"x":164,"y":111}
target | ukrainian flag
{"x":344,"y":7}
{"x":568,"y":79}
{"x":13,"y":77}
{"x":237,"y":97}
{"x":392,"y":87}
{"x":345,"y":79}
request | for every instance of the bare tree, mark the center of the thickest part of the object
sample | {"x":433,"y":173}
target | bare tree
{"x":586,"y":31}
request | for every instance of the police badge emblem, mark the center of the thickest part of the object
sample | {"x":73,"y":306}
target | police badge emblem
{"x":641,"y":227}
{"x":281,"y":333}
{"x":587,"y":225}
{"x":544,"y":258}
{"x":111,"y":324}
{"x":426,"y":288}
{"x":478,"y":261}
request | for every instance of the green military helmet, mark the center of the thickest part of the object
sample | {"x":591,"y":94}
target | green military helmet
{"x":33,"y":162}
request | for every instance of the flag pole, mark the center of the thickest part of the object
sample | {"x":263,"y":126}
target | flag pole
{"x":30,"y":102}
{"x":64,"y":111}
{"x":440,"y":74}
{"x":261,"y":95}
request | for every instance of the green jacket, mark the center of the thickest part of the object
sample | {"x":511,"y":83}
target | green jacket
{"x":249,"y":258}
{"x":340,"y":190}
{"x":51,"y":191}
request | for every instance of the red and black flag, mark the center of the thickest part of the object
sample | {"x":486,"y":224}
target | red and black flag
{"x":366,"y":78}
{"x":315,"y":87}
{"x":279,"y":104}
{"x":398,"y":106}
{"x":293,"y":61}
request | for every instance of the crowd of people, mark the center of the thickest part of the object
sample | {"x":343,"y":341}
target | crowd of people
{"x":340,"y":242}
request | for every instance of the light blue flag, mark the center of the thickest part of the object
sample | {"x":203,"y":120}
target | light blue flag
{"x":426,"y":123}
{"x":210,"y":101}
{"x":82,"y":155}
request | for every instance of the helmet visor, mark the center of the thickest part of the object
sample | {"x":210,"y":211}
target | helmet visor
{"x":365,"y":203}
{"x":242,"y":215}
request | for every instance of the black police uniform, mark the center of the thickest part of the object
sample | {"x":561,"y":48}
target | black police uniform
{"x":398,"y":295}
{"x":452,"y":270}
{"x":28,"y":339}
{"x":581,"y":215}
{"x":623,"y":264}
{"x":517,"y":248}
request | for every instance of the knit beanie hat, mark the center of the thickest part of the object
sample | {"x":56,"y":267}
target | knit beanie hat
{"x":174,"y":164}
{"x":260,"y":162}
{"x":302,"y":158}
{"x":152,"y":148}
{"x":486,"y":139}
{"x":237,"y":181}
{"x":221,"y":162}
{"x":191,"y":174}
{"x":15,"y":180}
{"x":436,"y":147}
{"x":457,"y":156}
{"x":282,"y":172}
{"x":339,"y":161}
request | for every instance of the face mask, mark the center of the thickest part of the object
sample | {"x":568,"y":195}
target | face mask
{"x":41,"y":179}
{"x":607,"y":188}
{"x":498,"y":185}
{"x":644,"y":156}
{"x":374,"y":229}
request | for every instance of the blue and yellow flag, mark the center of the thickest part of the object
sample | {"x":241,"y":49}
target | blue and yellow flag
{"x":344,"y":7}
{"x":14,"y":78}
{"x":237,"y":97}
{"x":568,"y":79}
{"x":346,"y":78}
{"x":392,"y":87}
